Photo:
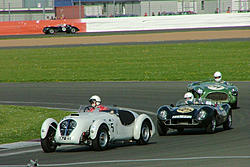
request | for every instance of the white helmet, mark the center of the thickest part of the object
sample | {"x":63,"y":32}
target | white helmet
{"x":95,"y":100}
{"x":189,"y":97}
{"x":217,"y":76}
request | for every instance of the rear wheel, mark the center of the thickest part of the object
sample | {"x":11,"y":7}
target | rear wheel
{"x":211,"y":126}
{"x":180,"y":130}
{"x":51,"y":31}
{"x":48,"y":144}
{"x":228,"y":124}
{"x":101,"y":141}
{"x":162,"y":131}
{"x":73,"y":30}
{"x":145,"y":133}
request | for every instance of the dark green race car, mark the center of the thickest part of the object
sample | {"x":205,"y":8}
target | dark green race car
{"x":223,"y":92}
{"x":201,"y":113}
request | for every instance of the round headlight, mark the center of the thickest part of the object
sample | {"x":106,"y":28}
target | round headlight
{"x":64,"y":124}
{"x":72,"y":124}
{"x":202,"y":115}
{"x":200,"y":91}
{"x":163,"y":114}
{"x":234,"y":92}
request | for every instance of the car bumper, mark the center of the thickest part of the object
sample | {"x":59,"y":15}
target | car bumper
{"x":184,"y":123}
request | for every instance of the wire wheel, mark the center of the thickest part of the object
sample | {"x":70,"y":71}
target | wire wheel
{"x":101,"y":142}
{"x":229,"y":122}
{"x":145,"y":133}
{"x":211,"y":126}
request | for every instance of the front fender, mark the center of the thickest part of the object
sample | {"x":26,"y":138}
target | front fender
{"x":94,"y":128}
{"x":138,"y":123}
{"x":50,"y":122}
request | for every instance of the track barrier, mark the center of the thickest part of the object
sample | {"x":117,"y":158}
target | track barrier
{"x":36,"y":27}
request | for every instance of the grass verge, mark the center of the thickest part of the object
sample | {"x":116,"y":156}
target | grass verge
{"x":152,"y":62}
{"x":22,"y":123}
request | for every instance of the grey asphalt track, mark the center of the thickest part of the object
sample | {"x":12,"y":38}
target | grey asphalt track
{"x":192,"y":148}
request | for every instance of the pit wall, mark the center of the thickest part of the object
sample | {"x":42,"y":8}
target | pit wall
{"x":35,"y":27}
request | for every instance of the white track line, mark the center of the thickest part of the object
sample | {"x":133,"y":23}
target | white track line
{"x":138,"y":160}
{"x":149,"y":160}
{"x":19,"y":152}
{"x":113,"y":161}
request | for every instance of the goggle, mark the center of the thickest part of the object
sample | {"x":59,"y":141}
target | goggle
{"x":187,"y":98}
{"x":216,"y":77}
{"x":92,"y":101}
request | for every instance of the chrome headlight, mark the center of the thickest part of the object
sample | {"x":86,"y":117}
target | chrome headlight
{"x":201,"y":115}
{"x":67,"y":126}
{"x":234,"y":92}
{"x":163,"y":114}
{"x":200,"y":91}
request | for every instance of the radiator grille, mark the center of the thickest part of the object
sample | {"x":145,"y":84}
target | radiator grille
{"x":217,"y":96}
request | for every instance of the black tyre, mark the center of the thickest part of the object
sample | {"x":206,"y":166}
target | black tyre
{"x":162,"y":131}
{"x":211,"y":126}
{"x":101,"y":142}
{"x":48,"y":144}
{"x":234,"y":105}
{"x":145,"y":133}
{"x":73,"y":30}
{"x":229,"y":122}
{"x":180,"y":130}
{"x":51,"y":31}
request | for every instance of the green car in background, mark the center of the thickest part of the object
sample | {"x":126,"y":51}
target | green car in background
{"x":223,"y":92}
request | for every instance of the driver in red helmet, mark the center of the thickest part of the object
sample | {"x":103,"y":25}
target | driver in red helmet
{"x":95,"y":102}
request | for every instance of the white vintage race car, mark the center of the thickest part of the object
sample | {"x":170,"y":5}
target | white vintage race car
{"x":96,"y":129}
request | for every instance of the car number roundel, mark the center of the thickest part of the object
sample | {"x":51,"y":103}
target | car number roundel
{"x":185,"y":109}
{"x":63,"y":29}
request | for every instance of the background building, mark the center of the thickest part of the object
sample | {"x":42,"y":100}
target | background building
{"x":14,"y":10}
{"x":11,"y":10}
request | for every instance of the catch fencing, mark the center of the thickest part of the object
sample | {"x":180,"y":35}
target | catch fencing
{"x":19,"y":10}
{"x":16,"y":10}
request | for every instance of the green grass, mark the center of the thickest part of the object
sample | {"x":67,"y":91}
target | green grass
{"x":19,"y":123}
{"x":159,"y":62}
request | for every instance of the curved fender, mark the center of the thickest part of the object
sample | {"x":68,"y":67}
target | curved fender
{"x":138,"y":124}
{"x":94,"y":128}
{"x":45,"y":126}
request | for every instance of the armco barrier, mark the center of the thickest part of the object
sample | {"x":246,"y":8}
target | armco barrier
{"x":36,"y":27}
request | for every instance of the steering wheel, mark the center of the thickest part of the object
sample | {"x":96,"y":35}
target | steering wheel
{"x":88,"y":108}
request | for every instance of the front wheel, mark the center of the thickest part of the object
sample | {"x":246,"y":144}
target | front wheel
{"x":145,"y":133}
{"x":211,"y":126}
{"x":162,"y":131}
{"x":48,"y":144}
{"x":234,"y":105}
{"x":228,"y":124}
{"x":101,"y":141}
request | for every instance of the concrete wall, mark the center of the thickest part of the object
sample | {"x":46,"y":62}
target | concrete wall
{"x":36,"y":27}
{"x":167,"y":22}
